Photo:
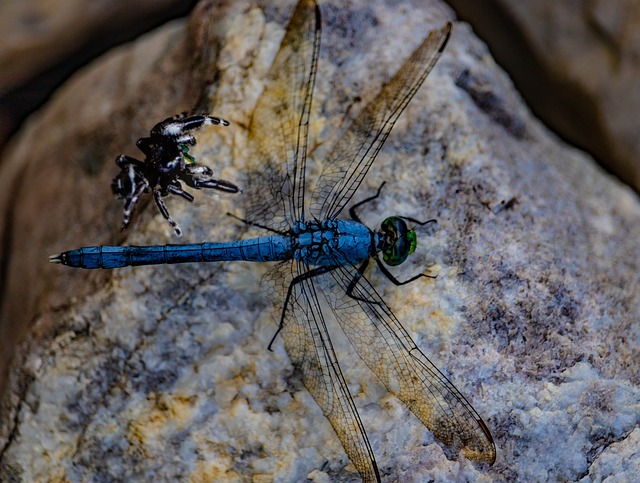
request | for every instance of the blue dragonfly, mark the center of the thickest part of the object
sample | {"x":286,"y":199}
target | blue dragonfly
{"x":318,"y":253}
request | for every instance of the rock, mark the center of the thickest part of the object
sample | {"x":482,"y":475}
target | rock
{"x":39,"y":33}
{"x":46,"y":41}
{"x":577,"y":65}
{"x":163,"y":372}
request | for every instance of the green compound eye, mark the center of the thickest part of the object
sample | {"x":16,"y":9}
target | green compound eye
{"x":185,"y":154}
{"x":400,"y":242}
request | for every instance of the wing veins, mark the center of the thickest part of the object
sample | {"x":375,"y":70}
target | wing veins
{"x":340,"y":178}
{"x":305,"y":329}
{"x":279,"y":125}
{"x":389,"y":351}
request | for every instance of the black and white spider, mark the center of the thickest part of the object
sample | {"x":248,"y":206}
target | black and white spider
{"x":167,"y":162}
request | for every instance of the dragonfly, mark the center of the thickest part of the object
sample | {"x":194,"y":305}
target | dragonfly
{"x":318,"y":254}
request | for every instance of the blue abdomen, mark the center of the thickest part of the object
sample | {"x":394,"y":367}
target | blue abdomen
{"x":261,"y":249}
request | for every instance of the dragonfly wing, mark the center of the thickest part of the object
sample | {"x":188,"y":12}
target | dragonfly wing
{"x":350,"y":159}
{"x":389,"y":351}
{"x":307,"y":342}
{"x":279,"y":125}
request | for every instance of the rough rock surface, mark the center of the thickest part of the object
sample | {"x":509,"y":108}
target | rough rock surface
{"x":163,"y":372}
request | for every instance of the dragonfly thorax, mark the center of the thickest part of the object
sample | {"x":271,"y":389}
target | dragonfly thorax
{"x":333,"y":242}
{"x":398,"y":241}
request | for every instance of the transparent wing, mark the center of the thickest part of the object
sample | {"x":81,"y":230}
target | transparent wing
{"x":349,"y":161}
{"x":387,"y":348}
{"x":279,"y":125}
{"x":307,"y":342}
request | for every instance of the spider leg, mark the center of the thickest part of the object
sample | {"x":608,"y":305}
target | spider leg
{"x":131,"y":202}
{"x":176,"y":189}
{"x":195,"y":122}
{"x":199,"y":176}
{"x":175,"y":127}
{"x":157,"y":196}
{"x":218,"y":184}
{"x":130,"y":176}
{"x":186,"y":139}
{"x":124,"y":160}
{"x":199,"y":170}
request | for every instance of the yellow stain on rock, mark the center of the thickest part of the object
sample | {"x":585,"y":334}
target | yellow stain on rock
{"x":168,"y":412}
{"x":441,"y":320}
{"x":210,"y":471}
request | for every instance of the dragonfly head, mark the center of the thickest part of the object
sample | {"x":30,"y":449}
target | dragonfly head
{"x":399,"y":241}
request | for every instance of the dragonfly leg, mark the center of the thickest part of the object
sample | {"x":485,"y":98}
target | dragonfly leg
{"x":252,"y":223}
{"x":157,"y":196}
{"x":418,"y":222}
{"x":310,"y":274}
{"x":352,"y":210}
{"x":354,"y":282}
{"x":354,"y":215}
{"x":394,"y":280}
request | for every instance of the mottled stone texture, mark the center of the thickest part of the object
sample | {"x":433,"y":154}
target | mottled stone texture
{"x":162,"y":372}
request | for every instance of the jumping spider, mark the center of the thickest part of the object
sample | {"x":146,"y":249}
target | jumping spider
{"x":167,"y":161}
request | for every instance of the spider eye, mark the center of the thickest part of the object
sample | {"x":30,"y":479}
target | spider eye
{"x":400,"y":242}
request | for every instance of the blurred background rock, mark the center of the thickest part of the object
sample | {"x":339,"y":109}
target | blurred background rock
{"x":576,"y":62}
{"x":45,"y":41}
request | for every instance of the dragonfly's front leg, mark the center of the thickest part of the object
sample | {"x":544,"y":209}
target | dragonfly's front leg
{"x":352,"y":210}
{"x":354,"y":215}
{"x":354,"y":282}
{"x":383,"y":269}
{"x":361,"y":269}
{"x":394,"y":280}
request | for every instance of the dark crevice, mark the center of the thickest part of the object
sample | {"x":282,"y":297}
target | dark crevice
{"x":22,"y":100}
{"x":562,"y":106}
